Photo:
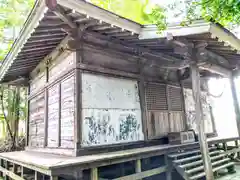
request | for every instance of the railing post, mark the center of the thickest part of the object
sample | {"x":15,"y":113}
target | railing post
{"x":138,"y":166}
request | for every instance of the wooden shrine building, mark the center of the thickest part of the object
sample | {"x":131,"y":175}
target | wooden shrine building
{"x":106,"y":92}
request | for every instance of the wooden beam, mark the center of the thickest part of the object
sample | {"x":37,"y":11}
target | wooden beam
{"x":142,"y":96}
{"x":200,"y":122}
{"x":63,"y":16}
{"x":94,"y":173}
{"x":99,"y":69}
{"x":235,"y":102}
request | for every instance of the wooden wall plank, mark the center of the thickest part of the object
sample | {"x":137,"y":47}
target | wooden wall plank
{"x":36,"y":121}
{"x":53,"y":116}
{"x":67,"y":112}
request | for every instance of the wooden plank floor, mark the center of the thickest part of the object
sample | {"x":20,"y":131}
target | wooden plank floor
{"x":50,"y":161}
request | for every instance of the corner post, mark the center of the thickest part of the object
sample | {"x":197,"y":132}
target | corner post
{"x":235,"y":101}
{"x":195,"y":76}
{"x":78,"y":95}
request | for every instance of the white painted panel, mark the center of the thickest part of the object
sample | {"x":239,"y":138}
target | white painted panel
{"x":111,"y":111}
{"x":110,"y":126}
{"x":107,"y":92}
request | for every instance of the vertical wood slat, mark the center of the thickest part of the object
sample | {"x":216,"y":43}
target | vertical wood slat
{"x":94,"y":174}
{"x":195,"y":76}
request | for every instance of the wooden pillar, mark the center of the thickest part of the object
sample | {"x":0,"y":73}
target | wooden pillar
{"x":78,"y":100}
{"x":28,"y":118}
{"x":94,"y":174}
{"x":195,"y":76}
{"x":46,"y":108}
{"x":235,"y":102}
{"x":169,"y":168}
{"x":142,"y":96}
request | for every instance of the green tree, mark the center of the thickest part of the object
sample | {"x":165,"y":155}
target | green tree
{"x":224,"y":12}
{"x":13,"y":14}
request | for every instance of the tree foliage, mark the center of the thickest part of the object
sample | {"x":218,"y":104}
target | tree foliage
{"x":224,"y":12}
{"x":13,"y":14}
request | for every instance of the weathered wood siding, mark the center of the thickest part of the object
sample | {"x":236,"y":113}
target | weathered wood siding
{"x":111,"y":110}
{"x":164,"y":109}
{"x":60,"y":108}
{"x":38,"y":83}
{"x":67,"y":112}
{"x":36,"y":121}
{"x":191,"y":114}
{"x":61,"y":65}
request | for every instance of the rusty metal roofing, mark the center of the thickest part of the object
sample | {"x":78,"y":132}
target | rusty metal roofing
{"x":44,"y":30}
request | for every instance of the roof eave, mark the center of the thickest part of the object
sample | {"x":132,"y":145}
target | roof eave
{"x":95,"y":12}
{"x":198,"y":27}
{"x":32,"y":22}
